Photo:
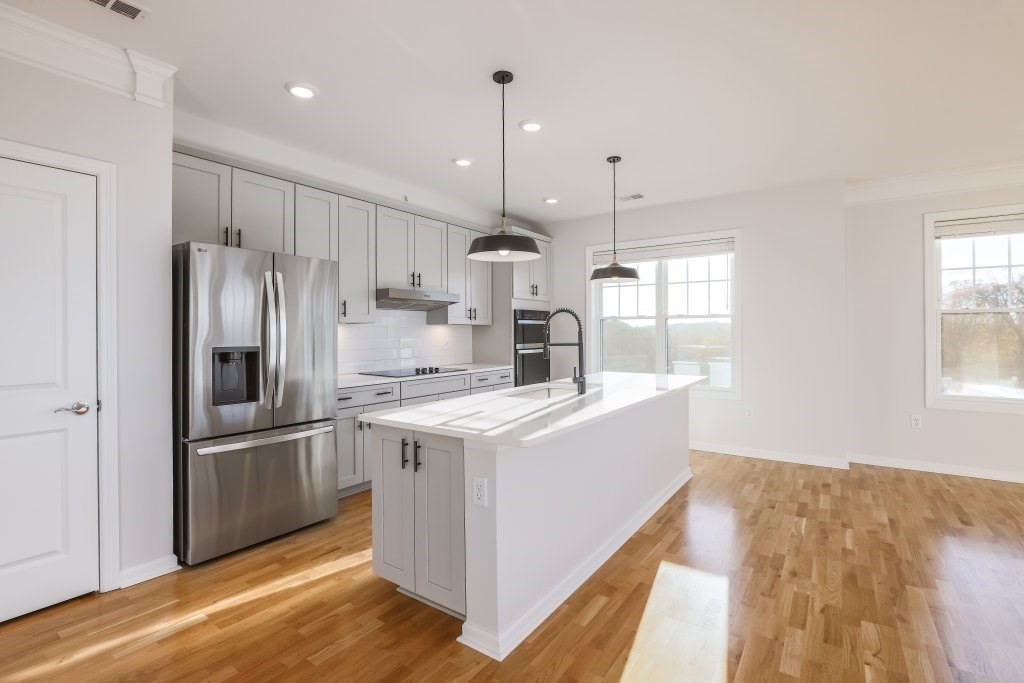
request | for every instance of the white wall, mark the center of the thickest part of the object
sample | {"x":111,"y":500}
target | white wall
{"x":885,"y":272}
{"x":401,"y":339}
{"x":793,"y":308}
{"x":46,"y":110}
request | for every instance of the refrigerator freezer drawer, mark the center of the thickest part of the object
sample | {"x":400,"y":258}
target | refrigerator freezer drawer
{"x":242,"y":490}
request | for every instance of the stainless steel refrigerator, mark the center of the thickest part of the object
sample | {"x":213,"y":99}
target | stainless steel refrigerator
{"x":255,"y":344}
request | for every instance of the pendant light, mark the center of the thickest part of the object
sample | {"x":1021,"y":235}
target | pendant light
{"x":503,"y":246}
{"x":614,"y":271}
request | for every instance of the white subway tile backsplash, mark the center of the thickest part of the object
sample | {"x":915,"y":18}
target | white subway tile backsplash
{"x":401,"y":339}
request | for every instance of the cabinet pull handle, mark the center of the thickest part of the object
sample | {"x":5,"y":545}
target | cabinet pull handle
{"x":482,"y":379}
{"x":405,"y":449}
{"x":385,"y":393}
{"x":344,"y":308}
{"x":474,"y":314}
{"x":416,"y":464}
{"x":505,"y":377}
{"x":238,"y":242}
{"x":419,"y":279}
{"x":412,"y":279}
{"x":227,"y":236}
{"x":344,"y":398}
{"x":359,"y":424}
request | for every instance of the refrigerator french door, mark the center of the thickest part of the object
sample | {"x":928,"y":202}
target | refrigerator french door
{"x":255,"y":367}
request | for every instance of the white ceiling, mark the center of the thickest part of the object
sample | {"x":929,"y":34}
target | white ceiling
{"x":699,"y":97}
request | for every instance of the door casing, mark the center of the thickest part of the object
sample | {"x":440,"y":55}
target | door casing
{"x":106,"y":340}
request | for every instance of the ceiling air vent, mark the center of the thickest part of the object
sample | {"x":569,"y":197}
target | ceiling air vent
{"x":631,"y":197}
{"x":125,"y":9}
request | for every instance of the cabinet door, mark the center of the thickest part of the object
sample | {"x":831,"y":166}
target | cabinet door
{"x":540,"y":272}
{"x":480,"y":287}
{"x":459,"y":274}
{"x":394,"y":248}
{"x":357,"y":261}
{"x":522,"y":282}
{"x":316,"y":223}
{"x":350,"y":458}
{"x":393,"y":499}
{"x":430,"y":398}
{"x":430,"y":254}
{"x":364,"y":445}
{"x":440,"y":526}
{"x":262,"y":212}
{"x":201,"y":201}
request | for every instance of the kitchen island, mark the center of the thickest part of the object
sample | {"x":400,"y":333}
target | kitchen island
{"x":496,"y":507}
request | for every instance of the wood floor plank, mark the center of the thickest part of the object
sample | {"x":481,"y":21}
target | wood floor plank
{"x":870,"y":574}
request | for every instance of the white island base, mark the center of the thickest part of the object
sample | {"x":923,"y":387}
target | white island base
{"x":505,"y":505}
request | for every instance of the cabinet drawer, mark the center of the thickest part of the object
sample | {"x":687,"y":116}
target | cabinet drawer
{"x":364,"y":396}
{"x":382,"y":406}
{"x":438,"y":385}
{"x":430,"y":398}
{"x":454,"y":394}
{"x":485,"y":379}
{"x":481,"y":390}
{"x":500,"y":387}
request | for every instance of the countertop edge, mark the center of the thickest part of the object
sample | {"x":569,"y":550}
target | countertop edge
{"x":370,"y":380}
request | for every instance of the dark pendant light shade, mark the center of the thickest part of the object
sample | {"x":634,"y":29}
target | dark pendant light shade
{"x":503,"y":246}
{"x":614,"y":272}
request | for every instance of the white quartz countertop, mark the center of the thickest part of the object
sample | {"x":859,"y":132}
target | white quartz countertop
{"x":355,"y":380}
{"x":518,"y":417}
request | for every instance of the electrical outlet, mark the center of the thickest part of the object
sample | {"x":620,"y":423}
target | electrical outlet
{"x":915,"y":421}
{"x":480,"y":491}
{"x":748,"y":413}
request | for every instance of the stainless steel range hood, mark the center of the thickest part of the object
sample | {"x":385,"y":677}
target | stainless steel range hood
{"x":392,"y":299}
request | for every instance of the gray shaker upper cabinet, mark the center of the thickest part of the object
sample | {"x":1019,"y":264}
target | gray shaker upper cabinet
{"x":262,"y":212}
{"x":316,"y":223}
{"x":395,"y":235}
{"x":201,"y":201}
{"x":430,"y":251}
{"x":357,"y":261}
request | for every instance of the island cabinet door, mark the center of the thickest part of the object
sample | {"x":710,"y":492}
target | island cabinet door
{"x":440,"y":521}
{"x":394,"y":521}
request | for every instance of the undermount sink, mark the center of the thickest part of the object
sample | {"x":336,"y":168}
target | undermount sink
{"x":545,"y":393}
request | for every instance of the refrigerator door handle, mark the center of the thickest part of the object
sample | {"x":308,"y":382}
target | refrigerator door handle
{"x":254,"y":443}
{"x":282,"y":351}
{"x":268,"y":346}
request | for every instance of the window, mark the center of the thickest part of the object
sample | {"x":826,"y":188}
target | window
{"x":976,"y":312}
{"x":678,"y":319}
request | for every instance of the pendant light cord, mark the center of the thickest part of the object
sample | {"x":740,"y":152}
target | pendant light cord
{"x":503,"y":157}
{"x":615,"y":253}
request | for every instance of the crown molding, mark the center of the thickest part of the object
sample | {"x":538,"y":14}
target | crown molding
{"x":37,"y":42}
{"x":945,"y":182}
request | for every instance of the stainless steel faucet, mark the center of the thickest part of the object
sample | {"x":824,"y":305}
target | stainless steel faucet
{"x":580,"y":381}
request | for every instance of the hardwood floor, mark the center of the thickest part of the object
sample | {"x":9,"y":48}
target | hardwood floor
{"x":756,"y":570}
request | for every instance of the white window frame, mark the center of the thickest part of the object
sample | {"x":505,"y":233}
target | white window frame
{"x":593,"y":322}
{"x":934,"y":398}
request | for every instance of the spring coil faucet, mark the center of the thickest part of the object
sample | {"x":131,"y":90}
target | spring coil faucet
{"x":580,"y":380}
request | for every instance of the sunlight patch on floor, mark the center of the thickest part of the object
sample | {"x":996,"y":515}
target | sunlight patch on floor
{"x":684,"y":631}
{"x":154,"y":632}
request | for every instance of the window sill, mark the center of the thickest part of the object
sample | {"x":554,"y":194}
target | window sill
{"x":977,"y":405}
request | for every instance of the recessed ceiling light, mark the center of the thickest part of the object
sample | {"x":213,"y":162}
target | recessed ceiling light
{"x":530,"y":126}
{"x":551,"y":200}
{"x":461,"y":161}
{"x":303,"y":91}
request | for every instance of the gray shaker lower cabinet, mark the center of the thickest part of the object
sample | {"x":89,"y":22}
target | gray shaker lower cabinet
{"x":353,"y":435}
{"x":419,"y":515}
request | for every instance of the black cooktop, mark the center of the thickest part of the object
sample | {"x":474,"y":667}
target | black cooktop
{"x":411,"y":372}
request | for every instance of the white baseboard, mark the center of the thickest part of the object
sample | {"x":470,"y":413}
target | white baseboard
{"x":763,"y":454}
{"x":149,"y":570}
{"x":498,"y":646}
{"x":1012,"y":476}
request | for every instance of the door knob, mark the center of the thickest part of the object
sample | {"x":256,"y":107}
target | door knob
{"x":78,"y":408}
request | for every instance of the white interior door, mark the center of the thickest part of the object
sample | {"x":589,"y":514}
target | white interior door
{"x":49,"y":548}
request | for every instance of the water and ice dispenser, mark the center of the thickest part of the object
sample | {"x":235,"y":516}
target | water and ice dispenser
{"x":236,"y":376}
